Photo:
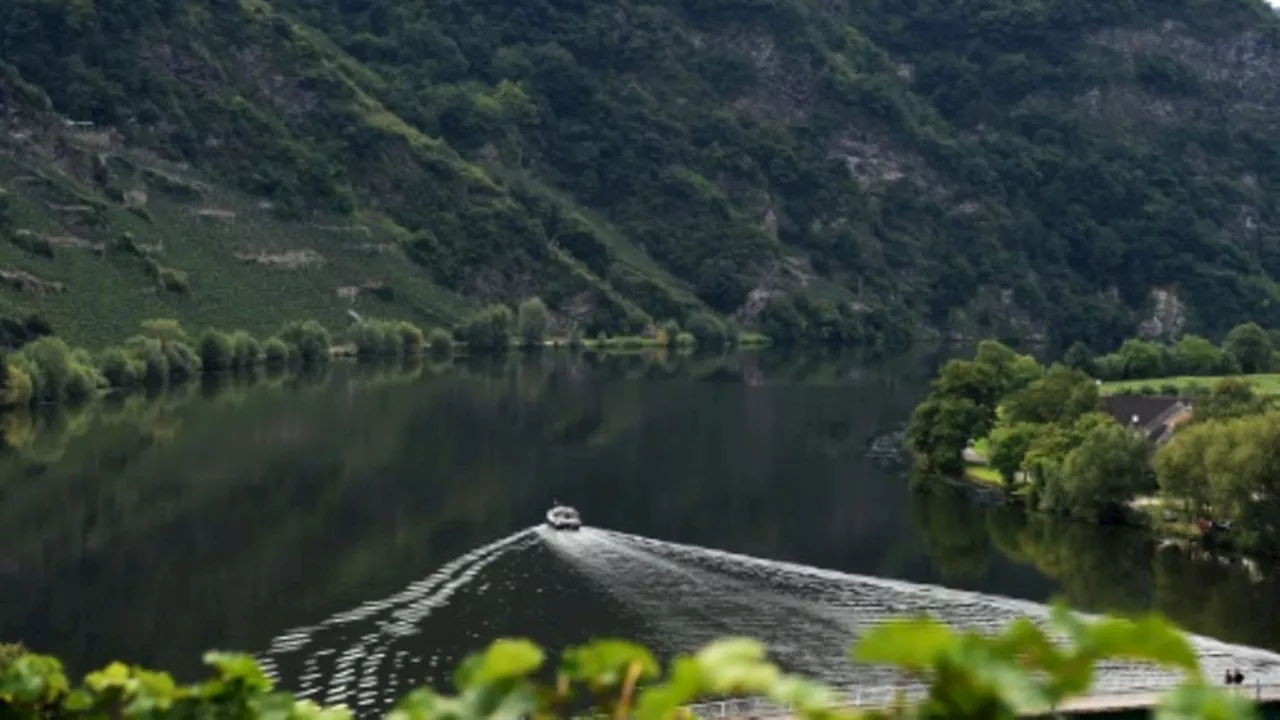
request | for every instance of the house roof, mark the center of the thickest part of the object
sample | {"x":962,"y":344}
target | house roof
{"x":1151,"y":412}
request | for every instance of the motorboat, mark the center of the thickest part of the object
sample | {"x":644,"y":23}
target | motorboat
{"x":563,"y":517}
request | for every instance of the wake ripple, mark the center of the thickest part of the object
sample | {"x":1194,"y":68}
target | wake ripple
{"x":809,"y":616}
{"x":670,"y":596}
{"x":343,"y":657}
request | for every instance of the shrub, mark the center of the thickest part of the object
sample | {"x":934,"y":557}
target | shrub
{"x":276,"y":352}
{"x":150,"y":353}
{"x":685,"y":339}
{"x":165,"y":330}
{"x":174,"y":280}
{"x":19,"y":390}
{"x":246,"y":351}
{"x":82,"y":383}
{"x":488,"y":328}
{"x":374,"y":339}
{"x":183,"y":361}
{"x":412,"y":339}
{"x":308,"y":340}
{"x":217,"y":351}
{"x":119,"y":368}
{"x":707,"y":329}
{"x":533,"y":322}
{"x":668,"y":331}
{"x":56,"y":372}
{"x":440,"y":341}
{"x":732,"y":332}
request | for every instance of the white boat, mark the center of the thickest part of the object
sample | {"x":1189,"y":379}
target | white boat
{"x":563,"y":517}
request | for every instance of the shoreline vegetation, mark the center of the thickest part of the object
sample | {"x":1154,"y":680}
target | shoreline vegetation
{"x":37,"y":367}
{"x":1022,"y":670}
{"x":1042,"y":438}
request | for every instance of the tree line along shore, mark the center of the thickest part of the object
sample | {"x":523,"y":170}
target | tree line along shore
{"x":1058,"y":439}
{"x":38,"y":367}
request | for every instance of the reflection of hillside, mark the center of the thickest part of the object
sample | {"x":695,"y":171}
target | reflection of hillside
{"x":261,"y":507}
{"x":1105,"y":568}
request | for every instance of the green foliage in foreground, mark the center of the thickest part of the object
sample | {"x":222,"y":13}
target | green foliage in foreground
{"x":1021,"y":670}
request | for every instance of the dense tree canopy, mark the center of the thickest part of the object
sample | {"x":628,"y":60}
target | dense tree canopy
{"x":827,"y":171}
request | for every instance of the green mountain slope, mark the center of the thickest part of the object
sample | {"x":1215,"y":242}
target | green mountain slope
{"x":1072,"y":168}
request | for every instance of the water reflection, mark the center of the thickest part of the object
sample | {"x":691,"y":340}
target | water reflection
{"x":221,"y":515}
{"x":1102,"y":569}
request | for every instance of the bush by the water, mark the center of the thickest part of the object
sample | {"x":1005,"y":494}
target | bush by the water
{"x":533,"y":322}
{"x":47,"y":370}
{"x":488,"y":328}
{"x":440,"y":341}
{"x":708,"y":330}
{"x":309,"y":341}
{"x":386,"y":338}
{"x":276,"y":352}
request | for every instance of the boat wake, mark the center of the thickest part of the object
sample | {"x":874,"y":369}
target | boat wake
{"x":348,"y":657}
{"x":809,"y":617}
{"x":565,"y":587}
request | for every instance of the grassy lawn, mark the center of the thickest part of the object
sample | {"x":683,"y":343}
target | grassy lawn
{"x":982,"y":446}
{"x":984,"y":475}
{"x":1265,"y":384}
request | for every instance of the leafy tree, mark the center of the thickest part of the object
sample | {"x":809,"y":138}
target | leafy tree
{"x":1251,"y":346}
{"x":152,"y":358}
{"x":57,"y":373}
{"x":440,"y":341}
{"x":276,"y":352}
{"x":488,"y":328}
{"x":1079,"y":357}
{"x":411,"y":338}
{"x":308,"y":340}
{"x":976,"y":382}
{"x":1143,"y":359}
{"x":1228,"y":398}
{"x":1061,"y":395}
{"x":246,"y":350}
{"x":216,"y":349}
{"x":164,"y":330}
{"x":533,"y":321}
{"x":707,"y":330}
{"x":119,"y":368}
{"x":782,"y":322}
{"x":1193,"y":355}
{"x":1109,"y":367}
{"x":1100,"y":475}
{"x":940,"y":429}
{"x":1181,"y":470}
{"x":1009,"y":447}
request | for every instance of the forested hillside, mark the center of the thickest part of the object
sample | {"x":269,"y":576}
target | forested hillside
{"x":832,"y":169}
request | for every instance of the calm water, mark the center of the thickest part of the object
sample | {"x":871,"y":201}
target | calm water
{"x":360,"y":531}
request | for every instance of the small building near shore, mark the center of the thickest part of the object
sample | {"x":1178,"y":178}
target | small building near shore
{"x":1156,"y":416}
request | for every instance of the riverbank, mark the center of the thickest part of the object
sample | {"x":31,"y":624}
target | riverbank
{"x":1150,"y":514}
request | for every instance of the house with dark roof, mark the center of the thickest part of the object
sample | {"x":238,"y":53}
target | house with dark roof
{"x":1156,"y":416}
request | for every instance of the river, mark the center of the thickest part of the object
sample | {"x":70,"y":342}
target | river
{"x":361,"y":530}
